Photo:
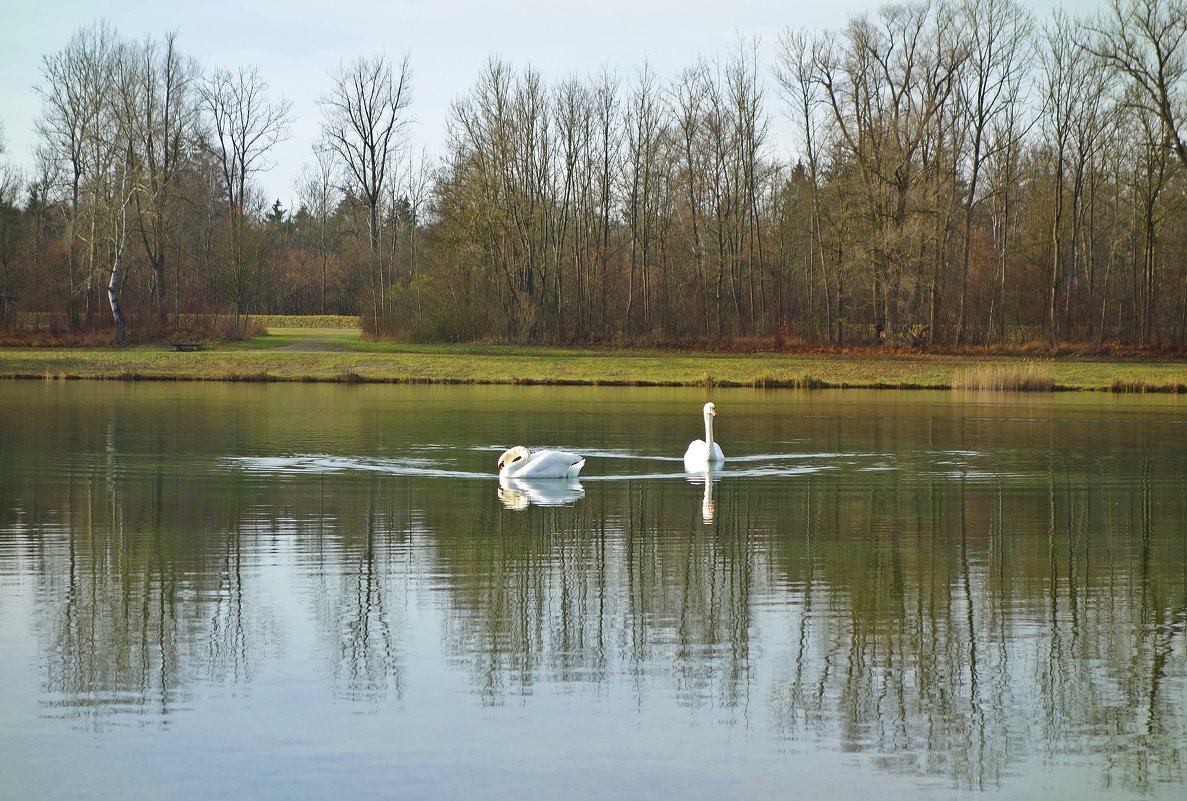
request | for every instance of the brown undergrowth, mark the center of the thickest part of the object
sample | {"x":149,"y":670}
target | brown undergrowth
{"x":55,"y":333}
{"x":802,"y":347}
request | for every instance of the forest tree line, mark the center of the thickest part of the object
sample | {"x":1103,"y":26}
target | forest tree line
{"x":960,"y":172}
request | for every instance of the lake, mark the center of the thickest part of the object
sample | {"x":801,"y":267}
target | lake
{"x":323,"y":591}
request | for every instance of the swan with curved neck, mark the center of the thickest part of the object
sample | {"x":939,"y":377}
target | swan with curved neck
{"x":704,"y":452}
{"x":519,"y":462}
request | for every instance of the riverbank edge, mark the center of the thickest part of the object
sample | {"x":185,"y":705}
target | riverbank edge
{"x":594,"y":369}
{"x":513,"y":381}
{"x":1170,"y":389}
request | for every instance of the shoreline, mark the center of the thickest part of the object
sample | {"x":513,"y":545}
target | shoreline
{"x":272,"y":359}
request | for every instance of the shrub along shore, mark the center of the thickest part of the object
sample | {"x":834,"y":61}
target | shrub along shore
{"x":323,"y":355}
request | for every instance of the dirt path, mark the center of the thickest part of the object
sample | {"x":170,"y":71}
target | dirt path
{"x":314,"y":344}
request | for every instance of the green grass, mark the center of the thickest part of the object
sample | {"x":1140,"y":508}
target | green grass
{"x":273,"y":339}
{"x":263,"y":358}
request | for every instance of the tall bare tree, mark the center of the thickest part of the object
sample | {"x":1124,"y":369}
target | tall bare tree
{"x":998,"y":43}
{"x":1146,"y":40}
{"x":745,"y":92}
{"x":317,"y":188}
{"x":11,"y":185}
{"x":166,"y":134}
{"x":364,"y":123}
{"x":801,"y":92}
{"x":243,"y":125}
{"x":687,"y":102}
{"x":365,"y":120}
{"x":1066,"y":76}
{"x":73,"y":90}
{"x":93,"y":108}
{"x":643,"y":141}
{"x":886,"y":85}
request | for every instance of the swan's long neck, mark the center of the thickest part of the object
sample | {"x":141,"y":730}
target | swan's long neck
{"x":709,"y":433}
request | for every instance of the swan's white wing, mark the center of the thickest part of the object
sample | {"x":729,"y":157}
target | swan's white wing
{"x":551,"y":464}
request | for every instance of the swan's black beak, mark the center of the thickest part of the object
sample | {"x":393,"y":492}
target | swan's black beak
{"x":713,"y":412}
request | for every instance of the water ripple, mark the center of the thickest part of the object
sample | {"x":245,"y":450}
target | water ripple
{"x":955,"y":463}
{"x":323,"y":463}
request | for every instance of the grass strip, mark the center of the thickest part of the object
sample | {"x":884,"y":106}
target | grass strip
{"x":264,"y":359}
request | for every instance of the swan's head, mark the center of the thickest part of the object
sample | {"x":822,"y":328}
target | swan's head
{"x":514,"y":456}
{"x":710,"y":410}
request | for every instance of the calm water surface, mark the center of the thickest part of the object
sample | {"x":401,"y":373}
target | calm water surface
{"x":292,"y":592}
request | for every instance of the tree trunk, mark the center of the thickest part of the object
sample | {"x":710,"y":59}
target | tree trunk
{"x":113,"y":299}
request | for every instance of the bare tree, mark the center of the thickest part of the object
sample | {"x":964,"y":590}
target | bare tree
{"x":415,"y":188}
{"x":687,"y":101}
{"x":1146,"y":40}
{"x":93,"y":107}
{"x":750,"y":127}
{"x":243,"y":126}
{"x":573,"y":112}
{"x":73,"y":92}
{"x":608,"y":135}
{"x":364,"y":125}
{"x":886,"y":87}
{"x":317,"y":187}
{"x":998,"y":42}
{"x":1151,"y":170}
{"x":643,"y":138}
{"x":11,"y":184}
{"x":165,"y":132}
{"x":1066,"y":75}
{"x":364,"y":121}
{"x":1003,"y":167}
{"x":118,"y":179}
{"x":794,"y":72}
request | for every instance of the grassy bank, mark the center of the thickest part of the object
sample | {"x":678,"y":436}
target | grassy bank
{"x":339,"y":355}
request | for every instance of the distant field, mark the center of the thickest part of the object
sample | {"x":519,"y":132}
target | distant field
{"x":343,"y":321}
{"x":330,"y":353}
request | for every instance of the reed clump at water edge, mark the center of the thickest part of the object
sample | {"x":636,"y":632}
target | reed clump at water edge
{"x":1139,"y":385}
{"x":1025,"y":377}
{"x":798,"y":381}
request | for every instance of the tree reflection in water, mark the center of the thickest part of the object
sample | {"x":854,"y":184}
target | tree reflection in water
{"x":946,"y":625}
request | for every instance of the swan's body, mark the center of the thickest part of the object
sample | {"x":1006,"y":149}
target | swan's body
{"x":702,"y":453}
{"x":519,"y":462}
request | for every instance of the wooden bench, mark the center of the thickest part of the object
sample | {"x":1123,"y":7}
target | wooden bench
{"x":186,"y":346}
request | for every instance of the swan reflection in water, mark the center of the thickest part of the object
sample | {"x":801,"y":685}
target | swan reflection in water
{"x":708,"y":505}
{"x":520,"y":493}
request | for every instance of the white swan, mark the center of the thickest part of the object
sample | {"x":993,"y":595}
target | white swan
{"x":704,"y":452}
{"x":519,"y":462}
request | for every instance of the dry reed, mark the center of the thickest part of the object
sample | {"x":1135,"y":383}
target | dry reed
{"x":1025,"y":377}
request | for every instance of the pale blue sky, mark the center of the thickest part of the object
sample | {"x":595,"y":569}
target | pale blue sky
{"x":295,"y":43}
